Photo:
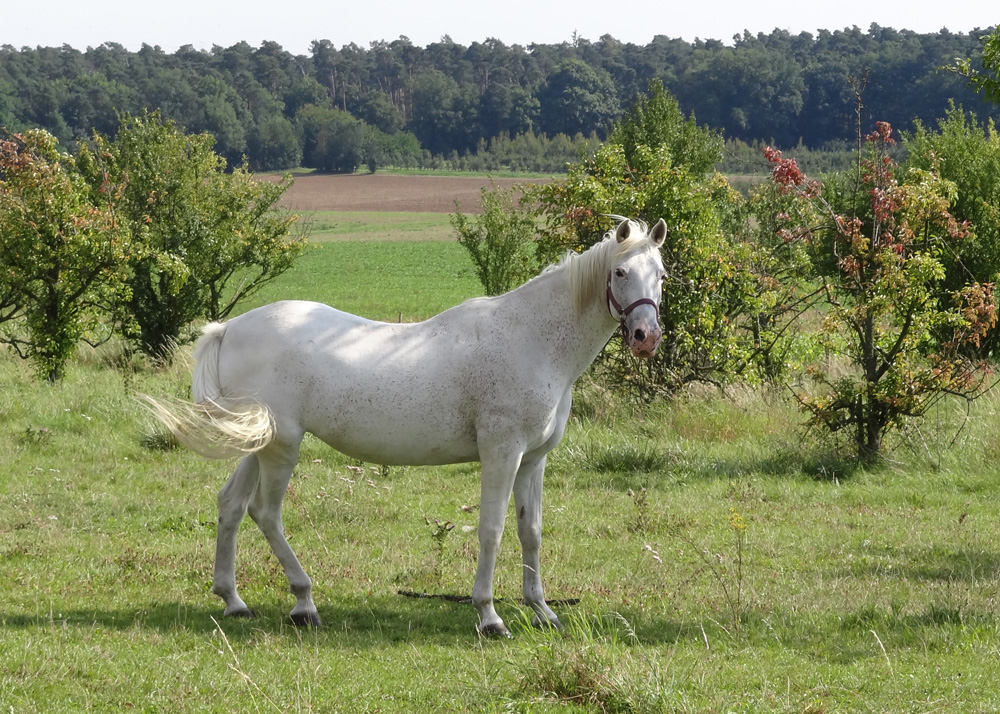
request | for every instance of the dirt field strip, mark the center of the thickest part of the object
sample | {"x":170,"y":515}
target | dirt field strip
{"x":378,"y":192}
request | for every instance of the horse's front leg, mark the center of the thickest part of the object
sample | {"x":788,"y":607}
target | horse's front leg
{"x":528,"y":504}
{"x":499,"y":468}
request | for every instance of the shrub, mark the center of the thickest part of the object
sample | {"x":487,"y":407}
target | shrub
{"x":658,"y":164}
{"x":62,"y":256}
{"x":967,"y":154}
{"x":203,"y":238}
{"x":500,"y":242}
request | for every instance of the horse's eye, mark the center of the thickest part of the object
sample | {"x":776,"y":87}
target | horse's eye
{"x":619,"y":273}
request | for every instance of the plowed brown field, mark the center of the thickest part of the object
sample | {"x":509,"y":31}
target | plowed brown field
{"x":378,"y":192}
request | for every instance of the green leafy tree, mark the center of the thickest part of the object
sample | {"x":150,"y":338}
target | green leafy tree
{"x":303,"y":92}
{"x":500,"y":241}
{"x":656,"y":119}
{"x":967,"y":154}
{"x":578,"y":99}
{"x":879,"y":244}
{"x":63,"y":257}
{"x":204,"y":238}
{"x":273,"y":146}
{"x":374,"y":108}
{"x":332,"y":140}
{"x":7,"y":101}
{"x":444,"y":113}
{"x":987,"y":80}
{"x":748,"y":90}
{"x":709,"y":291}
{"x":400,"y":149}
{"x":507,"y":109}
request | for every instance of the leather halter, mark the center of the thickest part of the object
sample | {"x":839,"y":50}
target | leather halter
{"x":621,"y":313}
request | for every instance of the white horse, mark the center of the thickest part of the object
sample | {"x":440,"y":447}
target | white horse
{"x":489,"y":380}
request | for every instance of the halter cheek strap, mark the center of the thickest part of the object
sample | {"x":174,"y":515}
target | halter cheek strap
{"x":621,"y":313}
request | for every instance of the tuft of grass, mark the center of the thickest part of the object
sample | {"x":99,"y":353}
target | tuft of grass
{"x":627,"y":457}
{"x":591,"y":664}
{"x":160,"y":439}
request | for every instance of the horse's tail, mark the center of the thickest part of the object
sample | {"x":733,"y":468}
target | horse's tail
{"x":214,"y":425}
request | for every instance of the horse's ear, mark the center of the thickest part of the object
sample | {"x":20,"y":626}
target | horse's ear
{"x":624,"y":229}
{"x":659,"y":232}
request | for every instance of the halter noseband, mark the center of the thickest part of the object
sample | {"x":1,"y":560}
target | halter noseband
{"x":616,"y":310}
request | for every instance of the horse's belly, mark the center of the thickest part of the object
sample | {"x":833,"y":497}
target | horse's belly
{"x":396,"y":448}
{"x":396,"y":431}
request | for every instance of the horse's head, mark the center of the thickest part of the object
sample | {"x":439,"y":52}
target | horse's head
{"x":634,"y":289}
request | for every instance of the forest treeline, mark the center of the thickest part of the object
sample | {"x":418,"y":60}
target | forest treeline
{"x":487,"y":105}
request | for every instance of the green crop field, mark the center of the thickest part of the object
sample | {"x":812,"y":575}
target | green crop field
{"x":380,"y":280}
{"x":327,"y":226}
{"x":708,"y":554}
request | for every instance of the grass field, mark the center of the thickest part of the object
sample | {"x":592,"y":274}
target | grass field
{"x":716,"y":558}
{"x":389,"y":281}
{"x":325,"y":226}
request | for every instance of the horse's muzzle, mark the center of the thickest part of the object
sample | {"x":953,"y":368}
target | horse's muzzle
{"x":643,"y":339}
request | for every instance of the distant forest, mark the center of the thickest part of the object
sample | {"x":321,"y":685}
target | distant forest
{"x":486,"y":105}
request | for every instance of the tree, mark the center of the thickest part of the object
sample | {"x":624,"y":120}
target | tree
{"x":400,"y":149}
{"x":374,"y":108}
{"x":879,"y":246}
{"x":204,"y":238}
{"x":249,"y":244}
{"x":708,"y":291}
{"x":748,"y":90}
{"x":507,"y":109}
{"x":656,"y":119}
{"x":764,"y":88}
{"x":273,"y":146}
{"x":332,"y":140}
{"x":578,"y":99}
{"x":63,"y":256}
{"x":305,"y":91}
{"x":7,"y":100}
{"x":444,"y":114}
{"x":967,"y":154}
{"x":986,"y":81}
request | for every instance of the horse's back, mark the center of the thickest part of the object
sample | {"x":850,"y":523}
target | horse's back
{"x":289,"y":317}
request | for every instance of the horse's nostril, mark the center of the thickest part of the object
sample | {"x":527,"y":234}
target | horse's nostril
{"x":639,"y":336}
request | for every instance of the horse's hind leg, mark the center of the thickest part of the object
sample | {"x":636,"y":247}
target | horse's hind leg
{"x":233,"y":499}
{"x":276,"y":464}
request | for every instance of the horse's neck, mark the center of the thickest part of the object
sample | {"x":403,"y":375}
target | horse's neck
{"x":580,"y":330}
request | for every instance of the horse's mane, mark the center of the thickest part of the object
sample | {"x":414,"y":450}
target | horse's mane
{"x":589,"y":270}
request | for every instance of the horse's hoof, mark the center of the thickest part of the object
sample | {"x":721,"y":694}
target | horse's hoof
{"x":245,"y":613}
{"x":546,"y":624}
{"x":306,"y":619}
{"x":496,"y":630}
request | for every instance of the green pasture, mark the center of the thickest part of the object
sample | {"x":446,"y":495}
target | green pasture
{"x":708,"y":555}
{"x":381,"y":280}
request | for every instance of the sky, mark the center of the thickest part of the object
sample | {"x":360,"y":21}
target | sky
{"x":294,"y":24}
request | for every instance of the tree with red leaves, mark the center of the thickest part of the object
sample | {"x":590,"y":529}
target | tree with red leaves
{"x":894,"y":346}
